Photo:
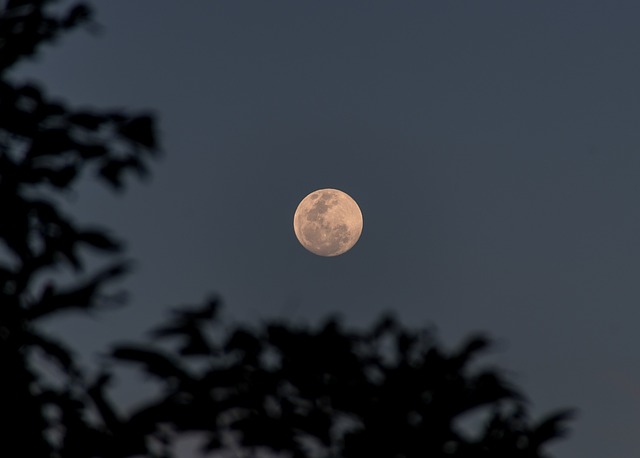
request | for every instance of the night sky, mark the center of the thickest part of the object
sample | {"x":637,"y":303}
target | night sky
{"x":493,"y":147}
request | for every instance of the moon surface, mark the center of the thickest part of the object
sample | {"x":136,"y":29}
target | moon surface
{"x":328,"y":222}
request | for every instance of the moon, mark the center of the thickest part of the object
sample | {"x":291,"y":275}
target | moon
{"x":328,"y":222}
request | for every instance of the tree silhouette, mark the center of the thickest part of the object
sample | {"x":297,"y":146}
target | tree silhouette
{"x":326,"y":391}
{"x":44,"y":148}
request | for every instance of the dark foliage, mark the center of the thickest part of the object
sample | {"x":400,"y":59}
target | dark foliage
{"x":327,"y":391}
{"x":45,"y":147}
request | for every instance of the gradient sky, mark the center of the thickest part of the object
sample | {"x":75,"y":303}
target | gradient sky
{"x":493,"y":147}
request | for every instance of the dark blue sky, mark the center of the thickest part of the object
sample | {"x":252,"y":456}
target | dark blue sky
{"x":493,"y":147}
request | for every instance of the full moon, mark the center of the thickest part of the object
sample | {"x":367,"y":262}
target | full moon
{"x":328,"y":222}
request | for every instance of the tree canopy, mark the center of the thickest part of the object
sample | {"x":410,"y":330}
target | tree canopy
{"x":299,"y":391}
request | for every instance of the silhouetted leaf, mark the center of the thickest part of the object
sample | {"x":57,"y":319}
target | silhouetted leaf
{"x":78,"y":14}
{"x":82,"y":297}
{"x":62,"y":177}
{"x":31,"y":91}
{"x":90,"y":151}
{"x":140,"y":130}
{"x":551,"y":427}
{"x":154,"y":362}
{"x":55,"y":350}
{"x":96,"y":391}
{"x":87,"y":120}
{"x":187,"y":324}
{"x":244,"y":342}
{"x":98,"y":240}
{"x":471,"y":347}
{"x":112,"y":170}
{"x":51,"y":142}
